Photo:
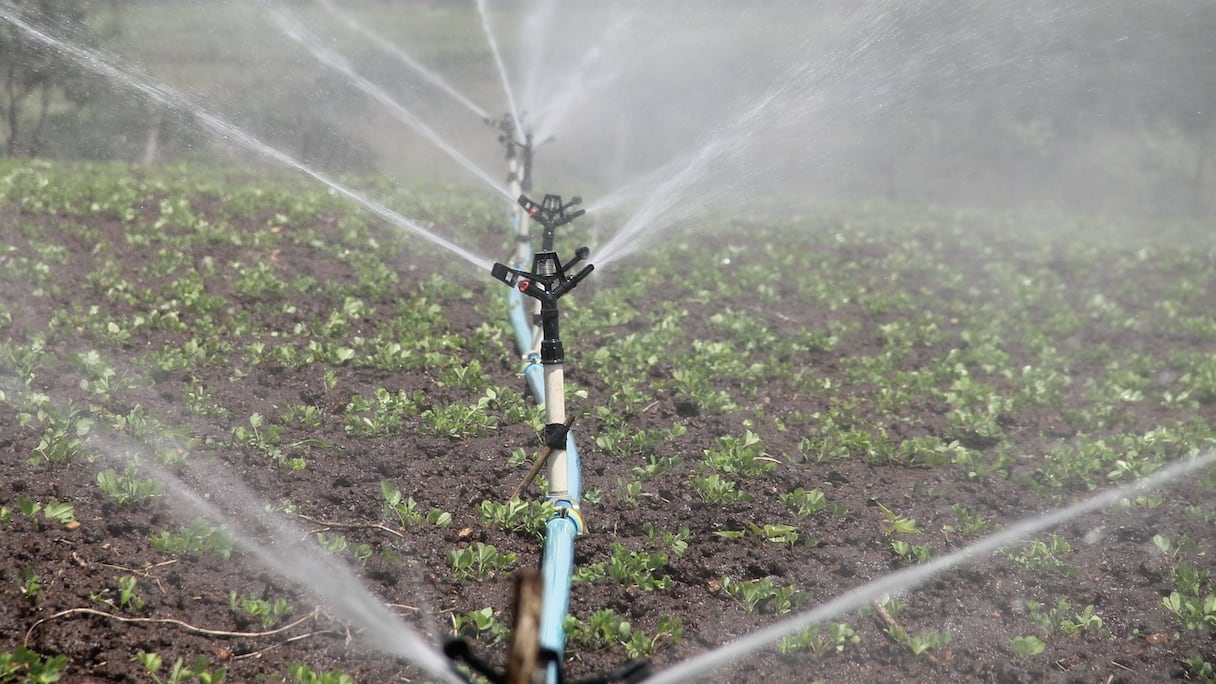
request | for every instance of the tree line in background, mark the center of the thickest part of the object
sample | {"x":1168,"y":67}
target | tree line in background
{"x":1115,"y":94}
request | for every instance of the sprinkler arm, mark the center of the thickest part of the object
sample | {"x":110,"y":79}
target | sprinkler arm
{"x":546,"y":288}
{"x":551,"y":213}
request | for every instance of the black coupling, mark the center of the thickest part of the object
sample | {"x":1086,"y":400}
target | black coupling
{"x":555,"y":435}
{"x":552,"y":352}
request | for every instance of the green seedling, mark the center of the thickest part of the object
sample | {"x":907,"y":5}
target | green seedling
{"x":1202,"y":670}
{"x":266,"y":439}
{"x":1195,"y":612}
{"x":714,"y":489}
{"x":656,"y":466}
{"x":197,"y":538}
{"x":129,"y":489}
{"x":742,"y":456}
{"x":920,"y":643}
{"x":894,"y":523}
{"x":362,"y":553}
{"x":303,"y":674}
{"x":198,"y":671}
{"x":478,"y":561}
{"x":382,"y":414}
{"x":29,"y":583}
{"x":763,"y":595}
{"x":604,"y":629}
{"x":27,"y":506}
{"x":516,"y":515}
{"x":305,"y":415}
{"x":1027,"y":646}
{"x":781,"y":535}
{"x":25,"y":665}
{"x":1042,"y":555}
{"x":629,"y":490}
{"x":269,"y":613}
{"x":460,"y":421}
{"x":633,"y":568}
{"x":482,"y":625}
{"x":1064,"y":618}
{"x":805,"y":503}
{"x":128,"y":599}
{"x":912,"y":553}
{"x":397,"y":507}
{"x":819,"y":639}
{"x":677,"y":541}
{"x":969,"y":523}
{"x":64,"y":436}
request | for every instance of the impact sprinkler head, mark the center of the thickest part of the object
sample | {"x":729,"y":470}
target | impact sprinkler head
{"x":550,"y":214}
{"x":546,"y":283}
{"x":518,"y":142}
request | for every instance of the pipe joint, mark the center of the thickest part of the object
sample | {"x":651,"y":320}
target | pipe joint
{"x":552,"y":352}
{"x":568,"y":509}
{"x":555,"y":436}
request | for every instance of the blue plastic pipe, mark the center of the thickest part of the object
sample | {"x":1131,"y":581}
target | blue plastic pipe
{"x":556,"y":573}
{"x":534,"y":373}
{"x":519,"y":321}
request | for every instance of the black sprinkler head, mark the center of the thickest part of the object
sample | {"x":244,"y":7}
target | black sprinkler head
{"x":551,"y":213}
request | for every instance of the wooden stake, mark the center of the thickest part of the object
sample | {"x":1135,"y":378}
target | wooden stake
{"x":524,"y":655}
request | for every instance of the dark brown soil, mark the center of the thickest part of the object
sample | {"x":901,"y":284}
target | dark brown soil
{"x":1114,"y":564}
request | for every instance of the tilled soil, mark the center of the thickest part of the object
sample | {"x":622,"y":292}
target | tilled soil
{"x":187,"y":610}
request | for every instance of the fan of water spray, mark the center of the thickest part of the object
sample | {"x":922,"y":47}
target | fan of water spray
{"x":429,"y":75}
{"x":111,"y":69}
{"x":669,"y":194}
{"x":595,"y":69}
{"x":695,"y":669}
{"x":294,"y":30}
{"x":284,"y":553}
{"x":502,"y":68}
{"x":308,"y":565}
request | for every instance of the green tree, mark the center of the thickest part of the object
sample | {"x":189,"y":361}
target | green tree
{"x":33,"y":74}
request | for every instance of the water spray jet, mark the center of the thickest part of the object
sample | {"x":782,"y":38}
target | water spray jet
{"x":404,"y":57}
{"x":292,"y":29}
{"x":107,"y":67}
{"x":695,"y":669}
{"x":502,"y":67}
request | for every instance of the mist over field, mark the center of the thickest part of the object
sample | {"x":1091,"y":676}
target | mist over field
{"x":1094,"y":105}
{"x":892,"y":361}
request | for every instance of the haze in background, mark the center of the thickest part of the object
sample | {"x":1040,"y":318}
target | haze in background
{"x":1105,"y":105}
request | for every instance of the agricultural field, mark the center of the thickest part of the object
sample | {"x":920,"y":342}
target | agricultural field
{"x":203,"y":369}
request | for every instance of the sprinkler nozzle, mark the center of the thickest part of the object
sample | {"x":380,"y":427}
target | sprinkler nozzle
{"x":505,"y":274}
{"x":545,"y":264}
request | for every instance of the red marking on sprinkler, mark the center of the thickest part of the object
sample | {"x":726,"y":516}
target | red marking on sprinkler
{"x":523,"y":285}
{"x":533,"y":211}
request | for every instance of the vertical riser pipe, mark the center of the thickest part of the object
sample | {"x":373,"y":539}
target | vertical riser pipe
{"x":574,"y":470}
